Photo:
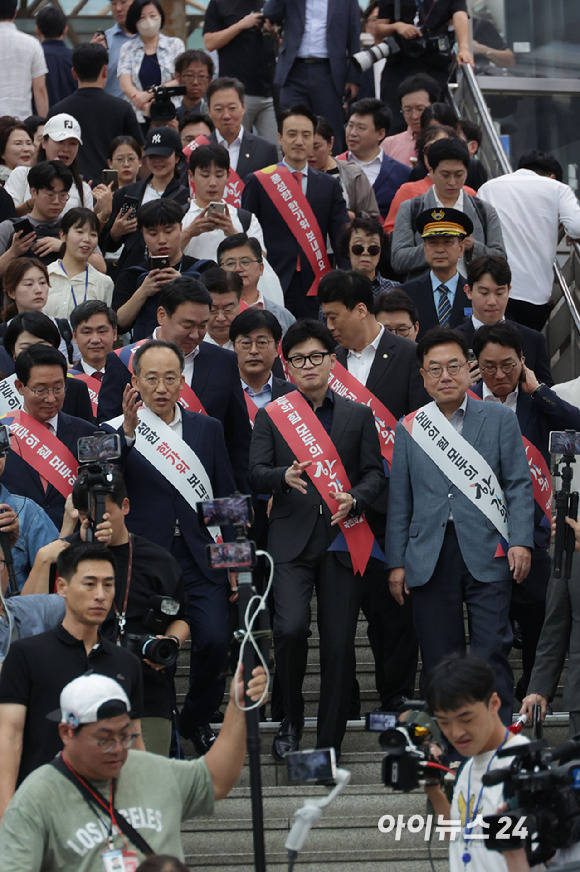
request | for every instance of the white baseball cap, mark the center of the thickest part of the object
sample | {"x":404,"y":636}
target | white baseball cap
{"x":92,"y":698}
{"x":61,"y":127}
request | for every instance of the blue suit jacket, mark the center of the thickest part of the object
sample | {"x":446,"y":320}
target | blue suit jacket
{"x":421,"y":496}
{"x":216,"y":382}
{"x":392,"y":175}
{"x":20,"y":478}
{"x":342,"y":33}
{"x":324,"y":195}
{"x":156,"y":505}
{"x":421,"y":292}
{"x":534,"y":348}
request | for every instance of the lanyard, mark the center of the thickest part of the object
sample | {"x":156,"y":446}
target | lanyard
{"x":71,"y":287}
{"x":98,"y":799}
{"x":121,"y":618}
{"x":471,"y":816}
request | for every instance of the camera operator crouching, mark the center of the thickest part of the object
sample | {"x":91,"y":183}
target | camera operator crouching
{"x":148,"y":609}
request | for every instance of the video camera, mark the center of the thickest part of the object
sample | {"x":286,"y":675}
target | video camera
{"x":435,"y":48}
{"x":95,"y":454}
{"x":543,"y":800}
{"x":408,"y":740}
{"x":162,"y":611}
{"x":162,"y":108}
{"x":567,"y":444}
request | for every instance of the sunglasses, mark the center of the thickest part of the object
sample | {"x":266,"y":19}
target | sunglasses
{"x":358,"y":249}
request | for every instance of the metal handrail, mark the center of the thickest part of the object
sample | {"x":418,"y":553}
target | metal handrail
{"x":485,"y":117}
{"x":567,"y":294}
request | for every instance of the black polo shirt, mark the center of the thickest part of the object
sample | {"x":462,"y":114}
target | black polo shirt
{"x":434,"y":17}
{"x":35,"y":672}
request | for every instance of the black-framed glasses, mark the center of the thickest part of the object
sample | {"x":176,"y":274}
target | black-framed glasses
{"x":400,"y":331}
{"x":436,"y":371}
{"x":358,"y":249}
{"x":316,"y":358}
{"x":506,"y":367}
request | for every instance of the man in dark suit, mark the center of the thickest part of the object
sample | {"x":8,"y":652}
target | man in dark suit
{"x":454,"y":538}
{"x":387,"y":365}
{"x":164,"y":515}
{"x":296,"y":133}
{"x":511,"y":381}
{"x":226,"y":107}
{"x":302,"y":527}
{"x":212,"y":373}
{"x":488,"y":286}
{"x":439,"y":296}
{"x":41,"y":380}
{"x":94,"y":327}
{"x":313,"y":66}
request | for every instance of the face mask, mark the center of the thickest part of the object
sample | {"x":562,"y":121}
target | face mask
{"x":149,"y":27}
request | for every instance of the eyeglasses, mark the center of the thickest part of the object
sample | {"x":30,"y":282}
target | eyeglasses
{"x":168,"y":380}
{"x":358,"y":249}
{"x":194,"y":77}
{"x":108,"y":745}
{"x":61,"y":196}
{"x":130,"y":159}
{"x":248,"y":344}
{"x":316,"y":358}
{"x":506,"y":367}
{"x":42,"y":393}
{"x":400,"y":331}
{"x":232,"y":263}
{"x":413,"y":110}
{"x":223,"y":310}
{"x":436,"y":371}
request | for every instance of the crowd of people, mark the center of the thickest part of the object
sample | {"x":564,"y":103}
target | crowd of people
{"x":260,"y":272}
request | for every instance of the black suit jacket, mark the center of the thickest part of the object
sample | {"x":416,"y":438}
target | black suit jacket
{"x":533,"y":346}
{"x":216,"y":382}
{"x":294,"y":514}
{"x":20,"y":478}
{"x":421,"y":292}
{"x":325,"y":198}
{"x":255,"y":154}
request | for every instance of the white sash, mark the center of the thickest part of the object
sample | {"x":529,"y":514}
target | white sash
{"x":172,"y":457}
{"x":10,"y":399}
{"x":460,"y":462}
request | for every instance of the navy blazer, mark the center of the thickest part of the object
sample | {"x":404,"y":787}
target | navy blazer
{"x":537,"y":415}
{"x":324,"y":195}
{"x":216,"y":382}
{"x":156,"y":505}
{"x":255,"y":153}
{"x":20,"y":478}
{"x":342,"y":34}
{"x":534,"y":348}
{"x":392,"y":175}
{"x":421,"y":292}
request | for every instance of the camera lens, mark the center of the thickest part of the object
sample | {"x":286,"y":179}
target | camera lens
{"x":161,"y":651}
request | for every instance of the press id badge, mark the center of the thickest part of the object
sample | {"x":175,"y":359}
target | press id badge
{"x":119,"y":861}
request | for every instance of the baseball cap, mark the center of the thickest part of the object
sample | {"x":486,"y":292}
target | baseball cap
{"x":92,"y":698}
{"x":163,"y":141}
{"x":444,"y":222}
{"x":61,"y":127}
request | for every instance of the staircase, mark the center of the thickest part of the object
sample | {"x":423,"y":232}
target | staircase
{"x":347,"y":836}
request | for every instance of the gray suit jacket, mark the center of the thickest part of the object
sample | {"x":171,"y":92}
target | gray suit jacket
{"x":293,"y":514}
{"x":407,"y":256}
{"x":421,"y":496}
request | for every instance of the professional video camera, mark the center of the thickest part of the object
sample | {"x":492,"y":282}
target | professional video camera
{"x":94,"y":454}
{"x":162,"y":108}
{"x":437,"y":49}
{"x":543,"y":800}
{"x":162,"y":611}
{"x":408,"y":739}
{"x":567,"y":444}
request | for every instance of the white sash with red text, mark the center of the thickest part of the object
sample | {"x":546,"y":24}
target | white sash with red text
{"x":308,"y":440}
{"x":10,"y":399}
{"x":344,"y":383}
{"x":234,"y":187}
{"x":287,"y":198}
{"x":43,"y":451}
{"x":188,"y":398}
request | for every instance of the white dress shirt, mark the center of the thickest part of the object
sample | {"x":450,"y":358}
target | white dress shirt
{"x":314,"y":43}
{"x":359,"y":363}
{"x":371,"y":168}
{"x":229,"y":344}
{"x":189,"y":359}
{"x":510,"y":401}
{"x":232,"y":148}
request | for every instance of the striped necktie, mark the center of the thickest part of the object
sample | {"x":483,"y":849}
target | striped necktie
{"x":444,"y":307}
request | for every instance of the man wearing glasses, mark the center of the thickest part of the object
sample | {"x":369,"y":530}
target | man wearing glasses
{"x":461,"y":514}
{"x":194,"y":70}
{"x":320,"y":488}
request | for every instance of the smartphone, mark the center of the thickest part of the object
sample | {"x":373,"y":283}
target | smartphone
{"x":159,"y":262}
{"x":231,"y":555}
{"x":23,"y":225}
{"x":4,"y":440}
{"x":564,"y":442}
{"x":100,"y":447}
{"x":216,"y":207}
{"x":130,"y":205}
{"x":378,"y":722}
{"x":314,"y":765}
{"x":109,"y":176}
{"x":229,"y":510}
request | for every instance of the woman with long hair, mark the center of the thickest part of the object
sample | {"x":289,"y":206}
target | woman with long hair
{"x":16,"y":146}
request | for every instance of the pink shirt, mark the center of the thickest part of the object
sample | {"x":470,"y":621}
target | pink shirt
{"x":400,"y":147}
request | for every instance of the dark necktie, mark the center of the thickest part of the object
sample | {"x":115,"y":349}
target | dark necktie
{"x":98,"y":375}
{"x":444,"y":307}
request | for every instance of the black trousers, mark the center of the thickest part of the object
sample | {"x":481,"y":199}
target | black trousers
{"x":529,"y":608}
{"x":338,"y":594}
{"x":529,"y":314}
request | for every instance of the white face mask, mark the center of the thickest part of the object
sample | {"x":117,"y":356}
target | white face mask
{"x":149,"y":27}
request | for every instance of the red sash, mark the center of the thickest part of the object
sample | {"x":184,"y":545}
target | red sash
{"x":343,"y":156}
{"x":234,"y":187}
{"x":188,"y":398}
{"x":541,"y":478}
{"x":308,"y":440}
{"x":287,"y":198}
{"x":343,"y":383}
{"x":252,"y":409}
{"x":93,"y":386}
{"x":43,"y":451}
